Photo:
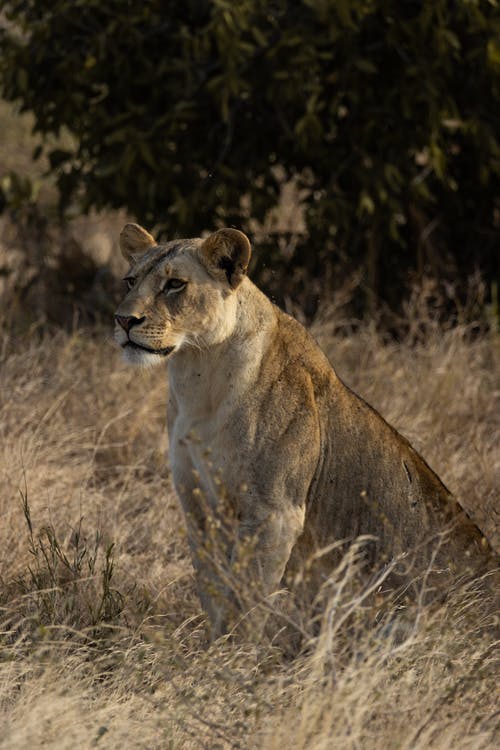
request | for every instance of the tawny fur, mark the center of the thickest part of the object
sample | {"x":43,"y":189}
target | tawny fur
{"x":258,"y":417}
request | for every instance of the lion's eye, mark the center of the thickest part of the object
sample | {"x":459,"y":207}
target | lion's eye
{"x":174,"y":285}
{"x":130,"y":282}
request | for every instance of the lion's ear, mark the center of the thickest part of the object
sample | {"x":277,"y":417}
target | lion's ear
{"x":134,"y":241}
{"x":227,"y":254}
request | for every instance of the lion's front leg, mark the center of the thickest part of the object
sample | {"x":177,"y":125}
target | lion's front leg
{"x":211,"y":541}
{"x":258,"y":560}
{"x":239,"y":550}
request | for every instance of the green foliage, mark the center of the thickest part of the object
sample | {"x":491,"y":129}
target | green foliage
{"x":63,"y":585}
{"x":385,"y":111}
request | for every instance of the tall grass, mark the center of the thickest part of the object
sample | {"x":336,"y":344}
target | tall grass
{"x":102,"y":638}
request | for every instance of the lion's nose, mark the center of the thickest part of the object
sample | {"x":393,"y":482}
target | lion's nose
{"x":127,"y":321}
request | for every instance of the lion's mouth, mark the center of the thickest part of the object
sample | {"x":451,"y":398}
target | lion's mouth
{"x":162,"y":352}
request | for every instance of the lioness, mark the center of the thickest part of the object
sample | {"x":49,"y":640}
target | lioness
{"x":256,"y":414}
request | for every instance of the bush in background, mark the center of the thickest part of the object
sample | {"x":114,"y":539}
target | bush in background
{"x":383,"y":113}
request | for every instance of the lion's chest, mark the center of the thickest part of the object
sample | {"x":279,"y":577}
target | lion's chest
{"x":204,"y":455}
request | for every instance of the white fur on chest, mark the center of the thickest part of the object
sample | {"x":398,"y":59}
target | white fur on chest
{"x":202,"y":450}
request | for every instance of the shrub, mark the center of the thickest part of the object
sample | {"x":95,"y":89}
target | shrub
{"x":384,"y":112}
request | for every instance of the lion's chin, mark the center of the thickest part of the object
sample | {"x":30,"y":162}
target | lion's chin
{"x":134,"y":354}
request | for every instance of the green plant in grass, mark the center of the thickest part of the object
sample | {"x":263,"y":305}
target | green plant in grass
{"x":64,"y":584}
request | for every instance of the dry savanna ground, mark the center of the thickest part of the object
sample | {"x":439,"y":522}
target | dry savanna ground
{"x":102,"y":638}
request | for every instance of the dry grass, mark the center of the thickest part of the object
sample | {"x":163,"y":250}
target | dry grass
{"x":102,"y":638}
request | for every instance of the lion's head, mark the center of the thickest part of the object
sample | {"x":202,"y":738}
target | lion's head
{"x":180,"y":293}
